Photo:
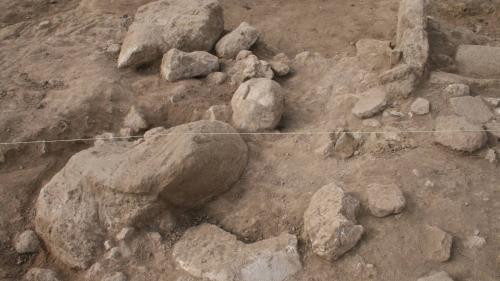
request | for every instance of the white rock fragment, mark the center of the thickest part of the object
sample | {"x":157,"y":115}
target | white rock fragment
{"x":177,"y":65}
{"x":370,"y":103}
{"x":385,"y":199}
{"x":475,"y":242}
{"x":439,"y":276}
{"x":242,"y":38}
{"x":457,"y":90}
{"x":210,"y":253}
{"x":374,"y":123}
{"x":458,"y":134}
{"x":330,"y":222}
{"x":134,"y":120}
{"x":437,"y":244}
{"x":491,"y":156}
{"x":27,"y":242}
{"x":420,"y":106}
{"x":258,"y":105}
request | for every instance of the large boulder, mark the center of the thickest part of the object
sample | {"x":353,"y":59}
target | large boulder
{"x":330,"y":222}
{"x":478,"y":61}
{"x":118,"y":184}
{"x":178,"y":65}
{"x":242,"y":38}
{"x":258,"y":105}
{"x":210,"y":253}
{"x":188,"y":25}
{"x":458,"y":134}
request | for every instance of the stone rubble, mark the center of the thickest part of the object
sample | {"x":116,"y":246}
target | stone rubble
{"x":40,"y":274}
{"x":258,"y":105}
{"x":458,"y":134}
{"x":370,"y":103}
{"x":420,"y":106}
{"x":457,"y":90}
{"x":242,"y":38}
{"x":134,"y":121}
{"x":385,"y":199}
{"x":273,"y":259}
{"x":178,"y":65}
{"x":187,"y":25}
{"x":330,"y":222}
{"x":437,"y":244}
{"x":474,"y":109}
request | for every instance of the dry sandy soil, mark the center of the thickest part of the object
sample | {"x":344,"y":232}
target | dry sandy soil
{"x":58,"y":82}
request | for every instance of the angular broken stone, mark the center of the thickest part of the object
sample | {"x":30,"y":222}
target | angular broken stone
{"x":458,"y":134}
{"x":439,"y":276}
{"x":40,"y":274}
{"x":491,"y":156}
{"x":280,"y":64}
{"x":474,"y":109}
{"x":134,"y":121}
{"x":457,"y":90}
{"x":187,"y":25}
{"x":400,"y":81}
{"x":475,"y":241}
{"x":177,"y":65}
{"x":121,"y":184}
{"x":370,"y":103}
{"x":258,"y":105}
{"x":437,"y":244}
{"x":248,"y":68}
{"x":210,"y":253}
{"x":219,"y":113}
{"x":478,"y":61}
{"x":385,"y":199}
{"x":420,"y":106}
{"x":217,"y":78}
{"x":330,"y":222}
{"x":27,"y":242}
{"x":242,"y":38}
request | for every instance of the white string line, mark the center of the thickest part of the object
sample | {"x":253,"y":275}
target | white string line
{"x":243,"y":133}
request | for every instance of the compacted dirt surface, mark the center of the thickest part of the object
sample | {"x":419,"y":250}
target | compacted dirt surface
{"x":61,"y":90}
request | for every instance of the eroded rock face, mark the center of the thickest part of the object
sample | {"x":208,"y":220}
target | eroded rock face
{"x":458,"y":134}
{"x":177,"y":65}
{"x":330,"y":222}
{"x":258,"y":105}
{"x":209,"y":252}
{"x":242,"y":38}
{"x":118,"y":184}
{"x":188,"y":25}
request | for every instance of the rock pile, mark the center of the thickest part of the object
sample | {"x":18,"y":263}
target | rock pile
{"x":108,"y":187}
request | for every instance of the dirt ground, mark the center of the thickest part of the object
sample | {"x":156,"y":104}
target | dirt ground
{"x":58,"y":82}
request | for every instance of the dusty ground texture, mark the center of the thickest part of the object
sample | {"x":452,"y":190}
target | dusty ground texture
{"x":59,"y":81}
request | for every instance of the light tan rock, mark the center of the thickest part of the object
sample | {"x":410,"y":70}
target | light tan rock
{"x":209,"y":252}
{"x":478,"y":61}
{"x":219,"y":113}
{"x":27,"y":242}
{"x":188,"y":25}
{"x":437,"y":244}
{"x":474,"y":109}
{"x":439,"y":276}
{"x":458,"y":134}
{"x":134,"y":121}
{"x":370,"y":103}
{"x":248,"y":68}
{"x":177,"y":65}
{"x":116,"y":185}
{"x":385,"y":199}
{"x":242,"y":38}
{"x":258,"y":105}
{"x":457,"y":90}
{"x":330,"y":222}
{"x":420,"y":106}
{"x":40,"y":274}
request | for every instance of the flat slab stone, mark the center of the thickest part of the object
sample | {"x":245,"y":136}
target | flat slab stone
{"x":458,"y":134}
{"x":478,"y":61}
{"x":372,"y":102}
{"x":474,"y":109}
